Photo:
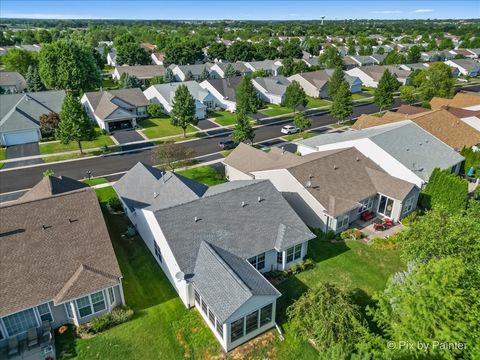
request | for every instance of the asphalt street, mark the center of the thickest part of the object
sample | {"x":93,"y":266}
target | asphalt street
{"x":21,"y":179}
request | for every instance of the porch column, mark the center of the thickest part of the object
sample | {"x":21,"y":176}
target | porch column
{"x":74,"y":313}
{"x":122,"y":296}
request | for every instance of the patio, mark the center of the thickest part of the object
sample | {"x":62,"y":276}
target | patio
{"x":368,"y":228}
{"x":38,"y":344}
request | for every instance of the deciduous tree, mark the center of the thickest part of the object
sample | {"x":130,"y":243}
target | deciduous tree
{"x":49,"y":123}
{"x":301,"y":121}
{"x":294,"y":96}
{"x":342,"y":106}
{"x":335,"y":81}
{"x":171,"y":156}
{"x":183,"y":111}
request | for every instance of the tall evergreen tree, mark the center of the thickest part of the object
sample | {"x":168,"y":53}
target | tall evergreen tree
{"x":74,"y":123}
{"x":246,"y":96}
{"x":34,"y":83}
{"x":243,"y":131}
{"x":383,"y":94}
{"x":168,"y":77}
{"x":294,"y":96}
{"x":230,"y":71}
{"x":183,"y":111}
{"x":342,"y":106}
{"x":337,"y":78}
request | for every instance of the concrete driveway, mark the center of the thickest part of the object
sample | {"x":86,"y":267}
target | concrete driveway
{"x":22,"y":150}
{"x":127,"y":136}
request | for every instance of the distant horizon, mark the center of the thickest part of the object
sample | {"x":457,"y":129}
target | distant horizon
{"x":264,"y":10}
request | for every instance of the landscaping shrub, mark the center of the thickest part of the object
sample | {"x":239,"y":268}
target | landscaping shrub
{"x":472,"y":158}
{"x":388,"y":243}
{"x":115,"y":204}
{"x":410,"y":218}
{"x":119,"y":315}
{"x":351,"y":234}
{"x":444,"y":189}
{"x":154,"y":110}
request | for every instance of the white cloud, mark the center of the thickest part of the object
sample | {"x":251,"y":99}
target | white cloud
{"x":424,"y":10}
{"x":385,"y":12}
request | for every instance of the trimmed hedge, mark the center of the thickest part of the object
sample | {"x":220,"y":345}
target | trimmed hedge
{"x":445,"y":190}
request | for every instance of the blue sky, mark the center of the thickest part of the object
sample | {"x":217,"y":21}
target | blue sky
{"x":244,"y":10}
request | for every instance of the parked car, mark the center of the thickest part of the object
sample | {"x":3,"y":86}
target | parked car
{"x":289,"y":129}
{"x":227,"y":144}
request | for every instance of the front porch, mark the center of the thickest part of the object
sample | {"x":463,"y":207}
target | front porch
{"x":373,"y":229}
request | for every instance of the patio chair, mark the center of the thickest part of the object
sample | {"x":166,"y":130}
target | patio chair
{"x":388,"y":222}
{"x":379,"y":227}
{"x":367,"y":215}
{"x":13,"y":347}
{"x":32,"y":337}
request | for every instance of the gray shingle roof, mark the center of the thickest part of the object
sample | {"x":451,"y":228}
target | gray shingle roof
{"x":23,"y":111}
{"x":56,"y":248}
{"x":405,"y":141}
{"x":52,"y":185}
{"x":168,"y":90}
{"x":11,"y":78}
{"x":222,"y":221}
{"x":104,"y":103}
{"x":219,"y":272}
{"x":226,"y":87}
{"x":467,"y":64}
{"x":276,"y":85}
{"x":195,"y":69}
{"x":142,"y":71}
{"x":145,"y":186}
{"x":264,"y":64}
{"x":238,"y":66}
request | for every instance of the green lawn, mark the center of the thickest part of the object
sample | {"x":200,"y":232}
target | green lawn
{"x":299,"y":136}
{"x":316,"y":102}
{"x":56,"y":147}
{"x":204,"y":174}
{"x":360,"y":97}
{"x":160,"y":127}
{"x":161,"y":328}
{"x":95,"y":181}
{"x":275,"y":110}
{"x":77,"y":155}
{"x":3,"y":153}
{"x":224,"y":118}
{"x":109,"y":84}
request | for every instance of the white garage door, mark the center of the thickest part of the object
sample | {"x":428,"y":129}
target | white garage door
{"x":23,"y":137}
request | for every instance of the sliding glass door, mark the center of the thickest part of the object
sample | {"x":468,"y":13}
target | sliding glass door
{"x":385,"y":206}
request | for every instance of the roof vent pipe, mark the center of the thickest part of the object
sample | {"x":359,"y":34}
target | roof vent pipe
{"x":259,"y":199}
{"x":243,"y":204}
{"x":196,"y":219}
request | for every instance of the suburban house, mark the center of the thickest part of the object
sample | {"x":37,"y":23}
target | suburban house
{"x":142,"y":72}
{"x":329,"y":189}
{"x":403,"y":149}
{"x":116,"y":109}
{"x":464,"y":52}
{"x":218,"y":69}
{"x":467,"y":67}
{"x":463,"y":100}
{"x":311,"y":61}
{"x":315,"y":83}
{"x":158,"y":58}
{"x":271,"y":67}
{"x":164,"y":95}
{"x":224,"y":91}
{"x":12,"y":82}
{"x":435,"y":55}
{"x":364,"y":60}
{"x":441,"y":123}
{"x":371,"y":75}
{"x":196,"y":71}
{"x":112,"y":57}
{"x":231,"y":234}
{"x":20,"y":115}
{"x":413,"y":67}
{"x":56,"y":259}
{"x":271,"y":89}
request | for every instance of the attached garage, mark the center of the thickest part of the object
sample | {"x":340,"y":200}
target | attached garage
{"x":19,"y":137}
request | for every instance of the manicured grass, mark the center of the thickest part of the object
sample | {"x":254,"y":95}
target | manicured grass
{"x":370,"y":90}
{"x":275,"y":110}
{"x":299,"y":136}
{"x":3,"y":153}
{"x":109,"y":84}
{"x":342,"y":124}
{"x":224,"y":118}
{"x":161,"y":329}
{"x":77,"y":155}
{"x":360,"y":97}
{"x":160,"y":127}
{"x":95,"y":181}
{"x":57,"y":147}
{"x":316,"y":102}
{"x":204,"y":174}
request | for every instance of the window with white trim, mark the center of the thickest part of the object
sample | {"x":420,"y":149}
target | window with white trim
{"x":294,"y":253}
{"x":111,"y":296}
{"x":251,"y":322}
{"x":91,"y":304}
{"x":280,"y":257}
{"x":204,"y":307}
{"x":236,"y":329}
{"x":197,"y":296}
{"x":258,"y":261}
{"x":266,"y":314}
{"x":219,"y":327}
{"x":342,"y":221}
{"x":211,"y":317}
{"x":366,"y":205}
{"x":408,"y":205}
{"x":68,"y":310}
{"x":20,"y":322}
{"x":45,"y":313}
{"x":158,"y":253}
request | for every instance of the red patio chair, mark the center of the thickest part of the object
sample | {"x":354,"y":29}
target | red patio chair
{"x":388,"y":222}
{"x":379,"y":227}
{"x":367,"y":215}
